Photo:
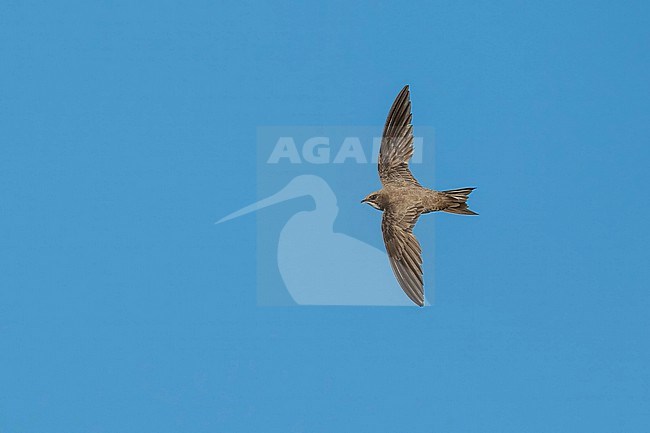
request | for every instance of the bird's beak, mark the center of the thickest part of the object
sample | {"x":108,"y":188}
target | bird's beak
{"x":364,"y":200}
{"x":280,"y":196}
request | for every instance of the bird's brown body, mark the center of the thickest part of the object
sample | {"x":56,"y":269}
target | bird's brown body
{"x":428,"y":200}
{"x":403,"y":199}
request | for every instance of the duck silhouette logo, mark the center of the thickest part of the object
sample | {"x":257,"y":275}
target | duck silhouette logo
{"x":317,"y":246}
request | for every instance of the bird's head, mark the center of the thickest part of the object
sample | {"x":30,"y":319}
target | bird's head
{"x":375,"y":199}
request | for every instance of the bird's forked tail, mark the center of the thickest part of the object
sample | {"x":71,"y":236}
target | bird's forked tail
{"x":458,"y":201}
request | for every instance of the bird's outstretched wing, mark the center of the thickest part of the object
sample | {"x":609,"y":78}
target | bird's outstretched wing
{"x":404,"y":250}
{"x":397,"y":143}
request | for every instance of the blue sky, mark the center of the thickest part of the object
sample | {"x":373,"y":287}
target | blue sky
{"x":128,"y":128}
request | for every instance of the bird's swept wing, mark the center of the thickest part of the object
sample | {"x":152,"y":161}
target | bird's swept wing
{"x":404,"y":250}
{"x":397,"y":143}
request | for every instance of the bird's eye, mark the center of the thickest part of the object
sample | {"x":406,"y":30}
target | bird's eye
{"x":373,"y":197}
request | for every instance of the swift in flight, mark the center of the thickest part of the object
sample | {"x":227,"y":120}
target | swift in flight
{"x":403,"y":199}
